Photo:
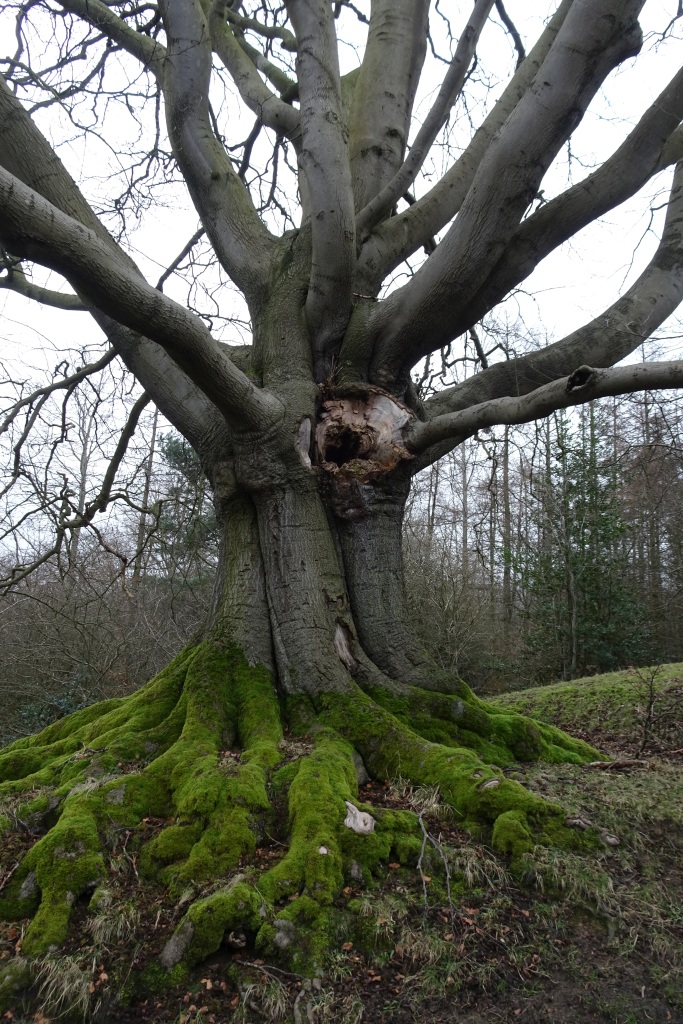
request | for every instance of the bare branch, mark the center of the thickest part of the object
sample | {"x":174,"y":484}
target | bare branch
{"x":286,"y":38}
{"x":451,"y":87}
{"x":398,"y":237}
{"x":98,"y":504}
{"x":583,"y":385}
{"x":241,"y":241}
{"x":605,"y":341}
{"x":270,"y":109}
{"x":286,"y":86}
{"x":593,"y":40}
{"x":645,"y":152}
{"x":379,"y":121}
{"x":32,"y":226}
{"x":325,"y":163}
{"x":510,"y":26}
{"x":27,"y":155}
{"x":185,"y":251}
{"x":57,"y":385}
{"x":148,"y":51}
{"x":15,"y":280}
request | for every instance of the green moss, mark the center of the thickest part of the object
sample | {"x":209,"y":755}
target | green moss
{"x":236,"y":907}
{"x":283,"y":778}
{"x":300,"y":935}
{"x":325,"y":780}
{"x":225,"y":697}
{"x":612,"y":700}
{"x":33,"y":762}
{"x":511,"y":834}
{"x":66,"y":862}
{"x":397,"y":836}
{"x":14,"y":979}
{"x":155,"y":980}
{"x":477,"y":791}
{"x":222,"y":844}
{"x":171,"y":845}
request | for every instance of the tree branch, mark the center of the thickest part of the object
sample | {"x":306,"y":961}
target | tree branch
{"x":98,"y":504}
{"x":239,"y":237}
{"x":185,"y":251}
{"x":15,"y":280}
{"x":286,"y":38}
{"x":384,"y":93}
{"x":593,"y":40}
{"x":604,"y":341}
{"x":286,"y":86}
{"x":325,"y":163}
{"x":642,"y":155}
{"x":270,"y":109}
{"x":57,"y":385}
{"x":583,"y":385}
{"x":395,"y":240}
{"x":148,"y":51}
{"x":27,"y":155}
{"x":33,"y":227}
{"x":514,"y":34}
{"x":451,"y":87}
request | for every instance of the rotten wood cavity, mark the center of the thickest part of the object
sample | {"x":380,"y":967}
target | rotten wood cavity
{"x":360,"y":436}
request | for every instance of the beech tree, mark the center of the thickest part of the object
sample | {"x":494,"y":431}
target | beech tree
{"x":309,"y":434}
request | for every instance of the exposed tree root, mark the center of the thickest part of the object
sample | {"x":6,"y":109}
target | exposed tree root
{"x":201,"y":748}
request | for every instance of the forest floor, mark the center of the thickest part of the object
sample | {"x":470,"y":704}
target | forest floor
{"x":577,"y":942}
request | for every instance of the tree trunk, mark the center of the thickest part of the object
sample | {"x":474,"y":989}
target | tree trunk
{"x":309,"y":635}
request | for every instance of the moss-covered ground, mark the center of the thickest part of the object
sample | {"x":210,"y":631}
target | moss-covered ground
{"x":197,"y":866}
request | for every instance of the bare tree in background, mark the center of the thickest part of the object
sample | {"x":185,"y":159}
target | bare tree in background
{"x":310,"y":433}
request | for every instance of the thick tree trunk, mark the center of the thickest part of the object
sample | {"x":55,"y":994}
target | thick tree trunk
{"x":308,"y":633}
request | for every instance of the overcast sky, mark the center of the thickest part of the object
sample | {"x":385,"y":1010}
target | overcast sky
{"x":569,"y":287}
